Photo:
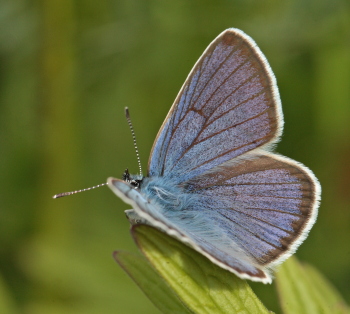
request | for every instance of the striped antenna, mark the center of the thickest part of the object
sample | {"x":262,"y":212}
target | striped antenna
{"x":78,"y":191}
{"x":127,"y":115}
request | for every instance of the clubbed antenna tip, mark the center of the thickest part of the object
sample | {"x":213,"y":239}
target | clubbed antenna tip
{"x":127,"y":113}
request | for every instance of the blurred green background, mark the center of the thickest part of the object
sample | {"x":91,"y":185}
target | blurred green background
{"x":68,"y":68}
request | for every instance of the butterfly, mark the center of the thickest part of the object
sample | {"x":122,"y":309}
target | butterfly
{"x":213,"y":181}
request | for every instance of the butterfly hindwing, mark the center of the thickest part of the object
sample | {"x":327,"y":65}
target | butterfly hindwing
{"x":269,"y":203}
{"x":247,"y":215}
{"x":234,"y":259}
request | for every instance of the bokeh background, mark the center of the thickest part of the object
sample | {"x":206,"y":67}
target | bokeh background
{"x":67,"y":70}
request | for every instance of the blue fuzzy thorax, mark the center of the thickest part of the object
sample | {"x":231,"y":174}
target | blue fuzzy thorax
{"x":166,"y":194}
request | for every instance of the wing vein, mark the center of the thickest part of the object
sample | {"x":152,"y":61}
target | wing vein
{"x":217,"y":70}
{"x":235,"y":107}
{"x":229,"y":151}
{"x":217,"y":183}
{"x":262,"y":220}
{"x":249,"y":231}
{"x":276,"y":210}
{"x":186,"y":106}
{"x":206,"y":119}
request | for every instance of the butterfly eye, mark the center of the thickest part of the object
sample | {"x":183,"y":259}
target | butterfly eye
{"x":135,"y":183}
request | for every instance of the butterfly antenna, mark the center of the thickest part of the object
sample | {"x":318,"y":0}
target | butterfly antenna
{"x":127,"y":115}
{"x":78,"y":191}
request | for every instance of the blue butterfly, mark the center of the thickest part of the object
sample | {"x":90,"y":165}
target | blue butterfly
{"x":213,"y":182}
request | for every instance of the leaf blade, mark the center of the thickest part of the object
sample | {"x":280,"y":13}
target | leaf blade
{"x":302,"y":289}
{"x":201,"y":285}
{"x":149,"y":281}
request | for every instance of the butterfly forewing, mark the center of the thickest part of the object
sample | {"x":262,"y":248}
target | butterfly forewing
{"x":228,"y":105}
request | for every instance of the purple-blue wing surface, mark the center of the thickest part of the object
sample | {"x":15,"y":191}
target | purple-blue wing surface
{"x":266,"y":204}
{"x":228,"y":106}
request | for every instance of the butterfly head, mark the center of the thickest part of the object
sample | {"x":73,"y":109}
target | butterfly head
{"x":134,"y":180}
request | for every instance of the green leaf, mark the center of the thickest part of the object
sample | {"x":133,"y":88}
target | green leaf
{"x":149,"y":281}
{"x":302,"y":289}
{"x":201,"y":285}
